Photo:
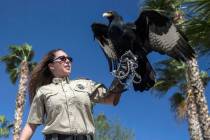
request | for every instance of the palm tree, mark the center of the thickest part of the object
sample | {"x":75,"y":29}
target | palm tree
{"x":196,"y":104}
{"x":167,"y":7}
{"x":4,"y":126}
{"x":18,"y":64}
{"x":199,"y":23}
{"x":171,"y":75}
{"x":196,"y":86}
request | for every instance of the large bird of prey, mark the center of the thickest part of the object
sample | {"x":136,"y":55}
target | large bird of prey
{"x":151,"y":31}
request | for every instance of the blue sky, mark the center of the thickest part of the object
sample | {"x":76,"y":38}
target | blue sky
{"x":49,"y":24}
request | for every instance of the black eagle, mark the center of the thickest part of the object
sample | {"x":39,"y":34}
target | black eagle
{"x":151,"y":31}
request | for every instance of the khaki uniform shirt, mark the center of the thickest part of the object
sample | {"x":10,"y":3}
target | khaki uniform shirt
{"x":64,"y":106}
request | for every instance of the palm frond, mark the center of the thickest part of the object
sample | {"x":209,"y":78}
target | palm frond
{"x":204,"y":77}
{"x":167,"y":7}
{"x":27,"y":51}
{"x":199,"y":31}
{"x":201,"y":8}
{"x":178,"y":105}
{"x":198,"y":24}
{"x":14,"y":74}
{"x":170,"y":74}
{"x":32,"y":65}
{"x":17,"y":54}
{"x":4,"y":129}
{"x":161,"y":87}
{"x":170,"y":70}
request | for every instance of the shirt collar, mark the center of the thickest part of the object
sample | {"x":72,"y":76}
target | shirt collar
{"x":57,"y":80}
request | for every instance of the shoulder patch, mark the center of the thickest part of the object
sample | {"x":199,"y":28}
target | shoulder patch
{"x":80,"y":86}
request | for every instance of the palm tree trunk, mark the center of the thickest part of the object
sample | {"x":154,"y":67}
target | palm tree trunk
{"x":20,"y":100}
{"x":198,"y":116}
{"x":192,"y":115}
{"x":200,"y":100}
{"x":195,"y":87}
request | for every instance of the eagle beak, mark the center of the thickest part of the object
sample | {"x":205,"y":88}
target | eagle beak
{"x":107,"y":14}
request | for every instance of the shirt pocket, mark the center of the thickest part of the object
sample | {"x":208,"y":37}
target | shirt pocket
{"x":50,"y":98}
{"x":53,"y":103}
{"x":82,"y":95}
{"x":80,"y":90}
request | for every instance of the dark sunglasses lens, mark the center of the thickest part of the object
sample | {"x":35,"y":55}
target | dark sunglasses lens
{"x":70,"y":59}
{"x":62,"y":58}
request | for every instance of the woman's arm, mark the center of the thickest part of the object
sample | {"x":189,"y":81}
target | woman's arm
{"x":111,"y":99}
{"x":113,"y":93}
{"x":28,"y":131}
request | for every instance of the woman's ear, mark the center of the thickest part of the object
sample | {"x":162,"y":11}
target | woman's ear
{"x":50,"y":66}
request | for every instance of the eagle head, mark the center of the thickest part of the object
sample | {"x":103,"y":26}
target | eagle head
{"x":110,"y":15}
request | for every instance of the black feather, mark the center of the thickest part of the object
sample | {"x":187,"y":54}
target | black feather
{"x":163,"y":36}
{"x":151,"y":31}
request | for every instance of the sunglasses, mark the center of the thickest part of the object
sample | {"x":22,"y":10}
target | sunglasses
{"x":62,"y":59}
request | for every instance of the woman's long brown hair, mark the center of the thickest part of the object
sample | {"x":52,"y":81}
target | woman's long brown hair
{"x":41,"y":75}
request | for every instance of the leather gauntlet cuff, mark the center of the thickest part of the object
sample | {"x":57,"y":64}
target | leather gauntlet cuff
{"x":117,"y":87}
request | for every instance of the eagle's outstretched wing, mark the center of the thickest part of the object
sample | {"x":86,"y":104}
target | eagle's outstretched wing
{"x":100,"y":33}
{"x":160,"y":34}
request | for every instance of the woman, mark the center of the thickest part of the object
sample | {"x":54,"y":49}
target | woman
{"x":63,"y":105}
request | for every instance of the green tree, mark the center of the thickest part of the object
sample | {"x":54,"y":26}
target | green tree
{"x":4,"y":126}
{"x":170,"y":8}
{"x":171,"y":74}
{"x":107,"y":130}
{"x":18,"y":64}
{"x":198,"y":24}
{"x":196,"y":104}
